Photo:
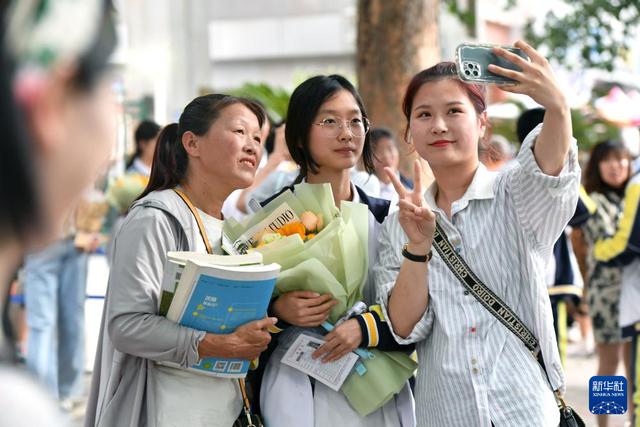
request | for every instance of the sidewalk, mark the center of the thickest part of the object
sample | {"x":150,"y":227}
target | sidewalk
{"x":578,"y":371}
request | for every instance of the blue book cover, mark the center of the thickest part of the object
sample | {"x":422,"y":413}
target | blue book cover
{"x":221,"y":299}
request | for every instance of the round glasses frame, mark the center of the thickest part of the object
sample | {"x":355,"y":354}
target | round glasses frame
{"x":356,"y":129}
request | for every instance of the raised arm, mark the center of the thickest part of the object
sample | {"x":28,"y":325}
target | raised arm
{"x":538,"y":82}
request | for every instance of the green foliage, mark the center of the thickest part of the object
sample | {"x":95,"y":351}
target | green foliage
{"x":588,"y":129}
{"x":467,"y":14}
{"x":598,"y":31}
{"x":506,"y":128}
{"x":274,"y":99}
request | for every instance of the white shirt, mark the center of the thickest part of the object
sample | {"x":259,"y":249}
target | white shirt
{"x":230,"y":206}
{"x":388,"y":192}
{"x":138,"y":166}
{"x":369,"y":183}
{"x":184,"y":398}
{"x":472,"y":369}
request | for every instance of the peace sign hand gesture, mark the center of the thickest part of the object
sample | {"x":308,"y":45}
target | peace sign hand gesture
{"x":416,"y":219}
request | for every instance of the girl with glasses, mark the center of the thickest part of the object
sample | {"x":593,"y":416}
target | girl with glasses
{"x":327,"y":133}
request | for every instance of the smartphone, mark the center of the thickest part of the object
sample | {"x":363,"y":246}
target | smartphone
{"x":473,"y":62}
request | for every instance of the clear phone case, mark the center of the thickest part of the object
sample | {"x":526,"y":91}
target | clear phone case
{"x":473,"y":61}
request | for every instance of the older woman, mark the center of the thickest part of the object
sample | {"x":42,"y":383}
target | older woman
{"x":213,"y":150}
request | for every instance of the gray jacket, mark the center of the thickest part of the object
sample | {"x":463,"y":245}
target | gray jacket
{"x":132,"y":335}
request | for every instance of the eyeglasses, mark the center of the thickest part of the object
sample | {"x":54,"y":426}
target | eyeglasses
{"x":332,"y":127}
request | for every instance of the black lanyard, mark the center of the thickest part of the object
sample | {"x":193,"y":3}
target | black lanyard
{"x":498,"y":308}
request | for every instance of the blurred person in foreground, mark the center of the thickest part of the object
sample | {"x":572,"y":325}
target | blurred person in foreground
{"x":58,"y":124}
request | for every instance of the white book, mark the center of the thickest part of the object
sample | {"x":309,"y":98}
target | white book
{"x":177,"y":260}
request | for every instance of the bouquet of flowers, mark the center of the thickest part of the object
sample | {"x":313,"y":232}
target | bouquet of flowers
{"x":323,"y":249}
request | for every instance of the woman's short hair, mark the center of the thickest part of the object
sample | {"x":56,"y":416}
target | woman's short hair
{"x":304,"y":104}
{"x":593,"y":181}
{"x":379,"y":133}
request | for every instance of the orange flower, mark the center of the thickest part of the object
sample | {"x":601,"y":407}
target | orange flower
{"x":292,"y":228}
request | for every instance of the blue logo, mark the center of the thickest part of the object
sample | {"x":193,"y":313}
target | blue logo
{"x":608,"y":395}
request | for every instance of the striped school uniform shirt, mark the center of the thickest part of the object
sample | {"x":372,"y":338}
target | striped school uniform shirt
{"x":473,"y":371}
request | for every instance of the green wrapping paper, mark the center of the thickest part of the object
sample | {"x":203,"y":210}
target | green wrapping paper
{"x":335,"y":261}
{"x":386,"y":374}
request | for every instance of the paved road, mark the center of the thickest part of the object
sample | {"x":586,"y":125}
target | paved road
{"x":578,"y":370}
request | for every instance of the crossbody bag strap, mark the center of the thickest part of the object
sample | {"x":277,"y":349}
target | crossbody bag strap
{"x":203,"y":233}
{"x":493,"y":303}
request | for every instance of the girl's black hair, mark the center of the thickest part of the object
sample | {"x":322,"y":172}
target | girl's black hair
{"x":592,"y":179}
{"x":170,"y":159}
{"x":376,"y":134}
{"x":304,"y":104}
{"x":18,"y":192}
{"x":146,"y":131}
{"x":20,"y":211}
{"x":270,"y":143}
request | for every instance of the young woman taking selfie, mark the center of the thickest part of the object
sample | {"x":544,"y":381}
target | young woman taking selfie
{"x":474,"y":371}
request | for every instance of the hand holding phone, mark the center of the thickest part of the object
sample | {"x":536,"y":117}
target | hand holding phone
{"x":473,"y":62}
